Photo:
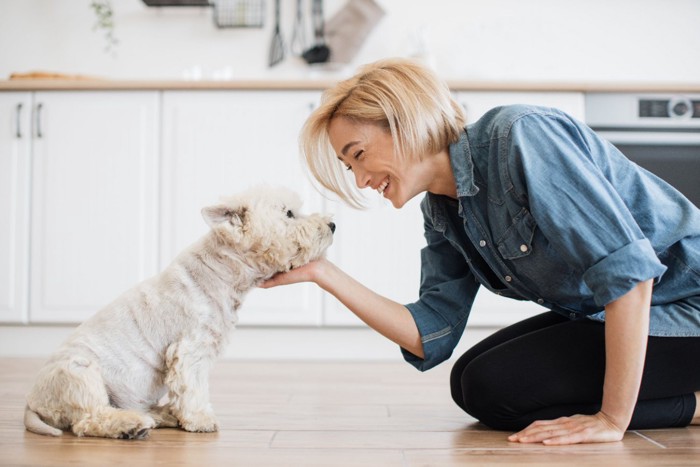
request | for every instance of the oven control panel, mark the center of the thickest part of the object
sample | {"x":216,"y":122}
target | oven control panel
{"x":636,"y":110}
{"x":677,"y":107}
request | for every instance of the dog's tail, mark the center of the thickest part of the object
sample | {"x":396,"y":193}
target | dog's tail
{"x":36,"y":425}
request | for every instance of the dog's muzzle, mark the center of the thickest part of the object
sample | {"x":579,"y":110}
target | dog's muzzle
{"x":331,"y":225}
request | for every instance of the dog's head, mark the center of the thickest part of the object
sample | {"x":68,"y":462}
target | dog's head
{"x":265,"y":225}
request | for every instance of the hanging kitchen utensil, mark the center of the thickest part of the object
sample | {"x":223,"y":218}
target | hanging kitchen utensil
{"x":320,"y":52}
{"x":299,"y":42}
{"x":277,"y":44}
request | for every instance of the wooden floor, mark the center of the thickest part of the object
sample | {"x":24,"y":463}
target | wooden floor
{"x":323,"y":414}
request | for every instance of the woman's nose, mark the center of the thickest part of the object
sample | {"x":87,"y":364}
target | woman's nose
{"x":362,"y":178}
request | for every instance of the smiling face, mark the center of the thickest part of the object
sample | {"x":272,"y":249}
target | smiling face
{"x":404,"y":113}
{"x":368,"y":151}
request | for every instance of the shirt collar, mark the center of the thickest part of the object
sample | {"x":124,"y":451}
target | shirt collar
{"x":463,"y":166}
{"x":463,"y":171}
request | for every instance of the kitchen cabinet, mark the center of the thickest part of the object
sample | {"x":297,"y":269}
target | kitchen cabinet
{"x":112,"y":184}
{"x":93,"y":200}
{"x":218,"y":143}
{"x":477,"y":103}
{"x":15,"y":151}
{"x":380,"y":247}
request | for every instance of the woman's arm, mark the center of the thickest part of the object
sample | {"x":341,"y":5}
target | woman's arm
{"x":626,"y":335}
{"x":389,"y":318}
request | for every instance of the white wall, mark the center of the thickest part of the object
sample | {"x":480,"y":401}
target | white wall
{"x":518,"y":40}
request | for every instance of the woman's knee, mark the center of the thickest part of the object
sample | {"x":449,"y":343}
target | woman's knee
{"x":480,"y":393}
{"x":456,"y":386}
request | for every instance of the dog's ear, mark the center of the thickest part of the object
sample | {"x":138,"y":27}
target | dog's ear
{"x":215,"y":215}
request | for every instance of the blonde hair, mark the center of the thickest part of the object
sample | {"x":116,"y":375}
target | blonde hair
{"x":400,"y":95}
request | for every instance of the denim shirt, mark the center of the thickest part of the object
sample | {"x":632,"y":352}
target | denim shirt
{"x":549,"y":212}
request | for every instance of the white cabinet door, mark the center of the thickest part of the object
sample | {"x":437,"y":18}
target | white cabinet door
{"x":380,"y":247}
{"x":477,"y":104}
{"x":15,"y":147}
{"x":94,"y":200}
{"x":217,"y":143}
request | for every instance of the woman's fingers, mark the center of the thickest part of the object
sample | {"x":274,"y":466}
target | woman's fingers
{"x":542,"y":430}
{"x":569,"y":430}
{"x":301,"y":274}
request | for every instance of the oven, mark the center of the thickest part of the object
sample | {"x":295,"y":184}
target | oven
{"x":659,"y":132}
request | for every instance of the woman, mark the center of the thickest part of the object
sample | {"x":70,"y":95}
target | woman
{"x":532,"y":205}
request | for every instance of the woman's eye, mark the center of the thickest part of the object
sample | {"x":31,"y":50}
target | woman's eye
{"x":290,"y":214}
{"x":359,"y":153}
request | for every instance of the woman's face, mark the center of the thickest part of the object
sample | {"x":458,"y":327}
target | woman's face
{"x":368,"y":150}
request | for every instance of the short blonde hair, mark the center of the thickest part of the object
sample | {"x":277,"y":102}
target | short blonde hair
{"x":400,"y":95}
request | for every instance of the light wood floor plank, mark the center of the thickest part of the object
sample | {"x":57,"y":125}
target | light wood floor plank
{"x":323,"y":414}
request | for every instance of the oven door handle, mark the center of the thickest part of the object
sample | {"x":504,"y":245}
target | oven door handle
{"x":650,"y":137}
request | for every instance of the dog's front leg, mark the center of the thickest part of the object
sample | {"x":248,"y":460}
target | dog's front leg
{"x":187,"y":379}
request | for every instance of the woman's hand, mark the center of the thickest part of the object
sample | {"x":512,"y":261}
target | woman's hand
{"x":597,"y":428}
{"x":391,"y":319}
{"x":306,"y":273}
{"x":626,"y":334}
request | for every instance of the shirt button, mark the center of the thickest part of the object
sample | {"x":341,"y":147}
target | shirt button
{"x":482,"y":243}
{"x":508,"y":278}
{"x":540,"y":301}
{"x":523,"y":248}
{"x":572,"y":315}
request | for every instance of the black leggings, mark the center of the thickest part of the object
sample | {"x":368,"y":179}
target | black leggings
{"x":547,"y":367}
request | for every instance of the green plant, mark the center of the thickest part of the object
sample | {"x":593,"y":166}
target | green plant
{"x":105,"y":22}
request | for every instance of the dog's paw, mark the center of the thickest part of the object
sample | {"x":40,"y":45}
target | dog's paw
{"x":201,"y":422}
{"x":114,"y":423}
{"x":164,"y":419}
{"x":137,"y":429}
{"x":136,"y":433}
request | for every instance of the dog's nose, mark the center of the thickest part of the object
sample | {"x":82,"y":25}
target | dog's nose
{"x":331,"y":226}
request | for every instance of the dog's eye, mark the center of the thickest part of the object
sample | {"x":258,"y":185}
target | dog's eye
{"x":290,"y":214}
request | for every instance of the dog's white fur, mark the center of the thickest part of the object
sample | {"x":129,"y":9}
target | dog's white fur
{"x":143,"y":361}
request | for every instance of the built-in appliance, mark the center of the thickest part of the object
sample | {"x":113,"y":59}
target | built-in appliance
{"x":659,"y":132}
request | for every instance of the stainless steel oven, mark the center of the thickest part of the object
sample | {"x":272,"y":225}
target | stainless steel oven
{"x":659,"y":132}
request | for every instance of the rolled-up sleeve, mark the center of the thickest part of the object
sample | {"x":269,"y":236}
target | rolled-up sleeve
{"x":447,"y":293}
{"x":571,"y":178}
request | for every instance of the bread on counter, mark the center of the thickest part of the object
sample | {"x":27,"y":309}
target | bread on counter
{"x":50,"y":75}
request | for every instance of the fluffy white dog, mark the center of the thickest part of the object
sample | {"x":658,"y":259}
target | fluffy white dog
{"x":112,"y":375}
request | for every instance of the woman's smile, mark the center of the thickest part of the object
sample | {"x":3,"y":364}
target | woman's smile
{"x":368,"y":151}
{"x":383,"y":186}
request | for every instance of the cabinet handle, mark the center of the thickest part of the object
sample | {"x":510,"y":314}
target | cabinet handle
{"x":39,"y":133}
{"x":18,"y":121}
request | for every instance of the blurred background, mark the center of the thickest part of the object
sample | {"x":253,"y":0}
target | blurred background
{"x":534,"y":40}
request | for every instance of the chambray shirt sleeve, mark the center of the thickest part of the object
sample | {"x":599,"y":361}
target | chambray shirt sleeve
{"x":447,"y":291}
{"x":570,"y":178}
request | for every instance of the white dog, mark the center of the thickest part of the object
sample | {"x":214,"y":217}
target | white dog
{"x":112,"y":375}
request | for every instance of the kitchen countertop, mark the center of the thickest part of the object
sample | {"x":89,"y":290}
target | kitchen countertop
{"x":456,"y":85}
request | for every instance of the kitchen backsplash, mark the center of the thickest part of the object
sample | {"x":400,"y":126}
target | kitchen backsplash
{"x":506,"y":40}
